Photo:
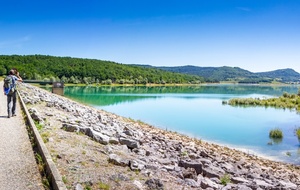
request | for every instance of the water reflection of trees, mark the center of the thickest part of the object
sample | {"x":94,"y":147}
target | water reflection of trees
{"x":276,"y":140}
{"x":107,"y":95}
{"x":208,"y":89}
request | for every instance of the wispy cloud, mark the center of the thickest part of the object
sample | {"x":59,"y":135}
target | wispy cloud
{"x":246,"y":9}
{"x":15,"y":43}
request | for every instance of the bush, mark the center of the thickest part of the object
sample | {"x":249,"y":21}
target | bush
{"x":225,"y":179}
{"x":276,"y":133}
{"x":297,"y":131}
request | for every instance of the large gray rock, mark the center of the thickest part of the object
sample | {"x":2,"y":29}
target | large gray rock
{"x":86,"y":130}
{"x":113,"y":140}
{"x":188,"y":164}
{"x":138,"y":184}
{"x":152,"y":166}
{"x":128,"y":132}
{"x":191,"y":182}
{"x":243,"y":187}
{"x":205,"y":161}
{"x":213,"y":171}
{"x":78,"y":187}
{"x":130,"y":143}
{"x":35,"y":115}
{"x":135,"y":165}
{"x":70,"y":127}
{"x":116,"y":160}
{"x":99,"y":137}
{"x":189,"y":173}
{"x":236,"y":187}
{"x":168,"y":168}
{"x":206,"y":183}
{"x":262,"y":184}
{"x":239,"y":180}
{"x":154,"y":184}
{"x":288,"y":185}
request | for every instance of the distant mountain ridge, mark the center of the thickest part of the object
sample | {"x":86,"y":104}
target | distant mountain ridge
{"x":282,"y":74}
{"x":225,"y":73}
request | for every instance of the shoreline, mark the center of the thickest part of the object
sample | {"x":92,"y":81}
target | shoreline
{"x":143,"y":153}
{"x":158,"y":85}
{"x":243,"y":149}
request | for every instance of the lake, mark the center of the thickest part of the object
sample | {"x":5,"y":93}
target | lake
{"x":198,"y":111}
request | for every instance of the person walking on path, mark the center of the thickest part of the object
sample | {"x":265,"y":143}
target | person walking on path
{"x":11,"y":91}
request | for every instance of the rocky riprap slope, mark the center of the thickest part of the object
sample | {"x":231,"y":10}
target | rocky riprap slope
{"x":160,"y":159}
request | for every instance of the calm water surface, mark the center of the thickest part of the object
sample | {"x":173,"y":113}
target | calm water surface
{"x":198,"y":111}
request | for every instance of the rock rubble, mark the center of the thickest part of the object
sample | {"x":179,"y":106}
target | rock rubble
{"x":191,"y":163}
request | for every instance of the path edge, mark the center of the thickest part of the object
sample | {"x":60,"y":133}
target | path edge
{"x":52,"y":172}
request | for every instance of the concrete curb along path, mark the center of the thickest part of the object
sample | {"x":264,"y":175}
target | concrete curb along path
{"x":18,"y":168}
{"x":52,"y":172}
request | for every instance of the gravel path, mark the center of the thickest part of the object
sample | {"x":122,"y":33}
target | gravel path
{"x":18,"y":169}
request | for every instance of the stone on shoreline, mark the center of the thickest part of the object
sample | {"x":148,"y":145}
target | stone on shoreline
{"x":129,"y":142}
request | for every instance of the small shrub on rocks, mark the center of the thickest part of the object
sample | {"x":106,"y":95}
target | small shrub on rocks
{"x":225,"y":179}
{"x":297,"y":131}
{"x":276,"y":133}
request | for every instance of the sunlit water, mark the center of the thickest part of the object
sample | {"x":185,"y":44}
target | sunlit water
{"x":198,"y":112}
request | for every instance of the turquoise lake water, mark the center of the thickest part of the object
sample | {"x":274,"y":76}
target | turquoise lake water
{"x":198,"y":112}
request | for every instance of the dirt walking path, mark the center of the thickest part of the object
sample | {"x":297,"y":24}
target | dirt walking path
{"x":18,"y":169}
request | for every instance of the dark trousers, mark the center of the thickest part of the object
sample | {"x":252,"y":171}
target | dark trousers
{"x":11,"y":103}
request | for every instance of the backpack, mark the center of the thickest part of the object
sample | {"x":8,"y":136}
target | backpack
{"x":9,"y":85}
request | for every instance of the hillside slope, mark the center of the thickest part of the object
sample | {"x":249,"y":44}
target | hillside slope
{"x":282,"y":74}
{"x":79,"y":70}
{"x":235,"y":73}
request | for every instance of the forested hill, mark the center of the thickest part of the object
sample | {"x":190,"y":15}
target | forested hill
{"x":282,"y":74}
{"x":77,"y":70}
{"x":215,"y":74}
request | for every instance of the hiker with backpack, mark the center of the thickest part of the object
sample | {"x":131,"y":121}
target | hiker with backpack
{"x":10,"y":91}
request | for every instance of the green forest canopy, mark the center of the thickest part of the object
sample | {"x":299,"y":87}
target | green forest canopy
{"x":78,"y":70}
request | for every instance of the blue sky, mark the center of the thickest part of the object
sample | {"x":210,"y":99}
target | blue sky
{"x":257,"y":35}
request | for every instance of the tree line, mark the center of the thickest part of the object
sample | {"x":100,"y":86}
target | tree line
{"x":88,"y":71}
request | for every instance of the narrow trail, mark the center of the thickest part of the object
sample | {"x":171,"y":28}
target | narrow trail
{"x":18,"y":168}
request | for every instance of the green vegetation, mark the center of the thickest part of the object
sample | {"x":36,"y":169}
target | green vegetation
{"x":45,"y":136}
{"x":38,"y":125}
{"x":289,"y":101}
{"x":42,"y":170}
{"x":92,"y":71}
{"x":276,"y":133}
{"x":87,"y":187}
{"x":297,"y":132}
{"x":103,"y":186}
{"x":225,"y":179}
{"x":40,"y":162}
{"x":64,"y":179}
{"x":215,"y":74}
{"x":184,"y":153}
{"x":88,"y":71}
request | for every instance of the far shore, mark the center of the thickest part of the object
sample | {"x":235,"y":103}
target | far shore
{"x":168,"y":85}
